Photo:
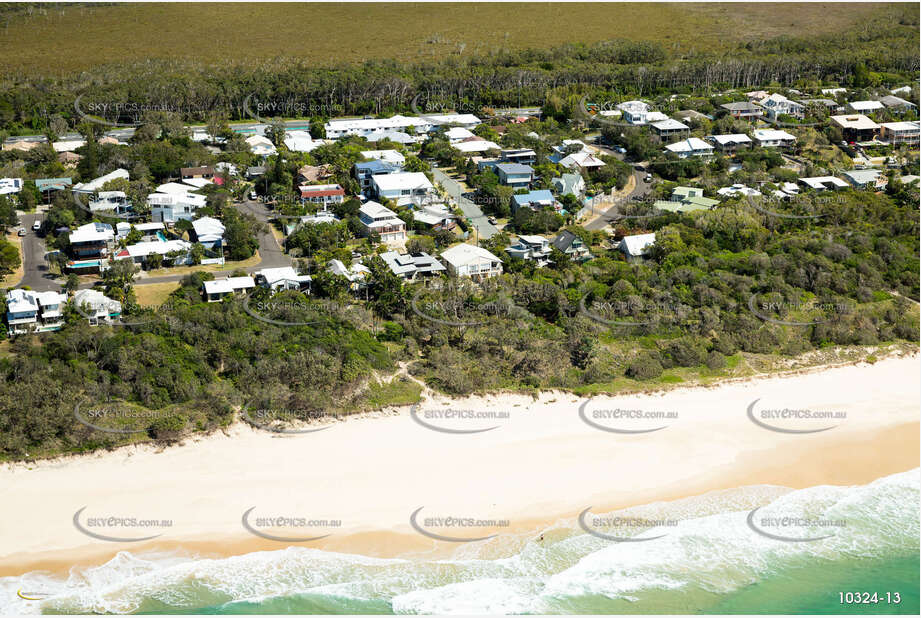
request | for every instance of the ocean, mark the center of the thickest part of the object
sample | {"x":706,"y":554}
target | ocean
{"x":819,"y":550}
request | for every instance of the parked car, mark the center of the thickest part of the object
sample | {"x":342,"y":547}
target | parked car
{"x":37,"y":226}
{"x":252,"y":195}
{"x":21,"y":231}
{"x":648,"y":178}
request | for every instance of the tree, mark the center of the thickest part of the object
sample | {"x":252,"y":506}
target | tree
{"x":276,"y":132}
{"x":9,"y":256}
{"x":71,"y":283}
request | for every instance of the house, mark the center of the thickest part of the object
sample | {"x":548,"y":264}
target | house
{"x":376,"y":127}
{"x":309,"y":174}
{"x":261,"y":146}
{"x":28,"y":311}
{"x":193,"y":184}
{"x":866,"y":179}
{"x":686,"y":199}
{"x":171,"y":207}
{"x":475,"y":145}
{"x":209,"y":232}
{"x":477,"y":263}
{"x":581,"y":161}
{"x":834,"y":91}
{"x":91,"y":240}
{"x":856,"y":127}
{"x":255,"y":171}
{"x":97,"y":183}
{"x":637,"y":246}
{"x":458,"y":134}
{"x":737,"y":189}
{"x":863,"y":107}
{"x":140,"y":252}
{"x":115,"y":201}
{"x":397,"y":137}
{"x":535,"y":200}
{"x":730,"y":142}
{"x":569,"y":184}
{"x":691,"y":147}
{"x":773,"y":138}
{"x":283,"y":278}
{"x":829,"y":105}
{"x":68,"y":145}
{"x":357,"y":273}
{"x":219,"y":289}
{"x":47,"y":185}
{"x":9,"y":186}
{"x":230,"y":168}
{"x":777,"y":105}
{"x":410,"y":266}
{"x":196,"y":172}
{"x":670,"y":129}
{"x":900,"y":132}
{"x":20,"y":144}
{"x":403,"y":187}
{"x":376,"y":218}
{"x":97,"y":307}
{"x":638,"y":113}
{"x":898,"y":104}
{"x":436,"y":216}
{"x":570,"y":244}
{"x":365,"y":170}
{"x":530,"y":247}
{"x":823,"y":183}
{"x":393,"y":157}
{"x":322,"y":194}
{"x":524,"y":156}
{"x":149,"y":231}
{"x":300,"y":141}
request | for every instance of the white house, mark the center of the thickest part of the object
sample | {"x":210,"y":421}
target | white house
{"x":409,"y":266}
{"x":777,"y":104}
{"x":209,"y":232}
{"x":97,"y":183}
{"x":581,"y":160}
{"x":357,"y":273}
{"x":636,"y":246}
{"x":475,"y":145}
{"x":97,"y":307}
{"x":471,"y":261}
{"x":28,"y":311}
{"x":10,"y":185}
{"x":823,"y":183}
{"x":375,"y":218}
{"x":638,"y":112}
{"x":901,"y":132}
{"x":403,"y":188}
{"x":864,"y":107}
{"x":369,"y":127}
{"x":393,"y":157}
{"x":283,"y":278}
{"x":531,"y":247}
{"x":691,"y":147}
{"x":261,"y":146}
{"x":139,"y":252}
{"x":768,"y":138}
{"x":171,"y":207}
{"x":218,"y":289}
{"x":300,"y":141}
{"x":737,"y":189}
{"x":458,"y":134}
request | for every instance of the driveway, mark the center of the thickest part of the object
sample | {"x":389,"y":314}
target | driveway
{"x":641,"y":189}
{"x":484,"y":228}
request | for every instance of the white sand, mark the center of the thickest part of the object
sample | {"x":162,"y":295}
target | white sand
{"x":540,"y":464}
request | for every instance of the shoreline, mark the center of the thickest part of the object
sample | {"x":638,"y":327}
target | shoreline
{"x":503,"y":473}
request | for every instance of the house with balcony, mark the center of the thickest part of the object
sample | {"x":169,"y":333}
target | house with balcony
{"x":669,"y":130}
{"x":535,"y":200}
{"x":531,"y":247}
{"x":402,"y":188}
{"x":110,"y":201}
{"x":393,"y":157}
{"x":282,"y":278}
{"x":865,"y":107}
{"x":97,"y":307}
{"x":524,"y":156}
{"x":773,"y":138}
{"x":364,"y":172}
{"x":435,"y":216}
{"x":171,"y":207}
{"x":377,"y":219}
{"x":639,"y":113}
{"x":691,"y":147}
{"x":28,"y":311}
{"x":777,"y":105}
{"x":514,"y":174}
{"x":91,"y":240}
{"x":476,"y":263}
{"x":218,"y":289}
{"x":731,"y":142}
{"x":96,"y":185}
{"x":856,"y":127}
{"x":209,"y":232}
{"x":743,"y":110}
{"x":412,"y":266}
{"x":323,"y":195}
{"x":900,"y":133}
{"x":570,"y":244}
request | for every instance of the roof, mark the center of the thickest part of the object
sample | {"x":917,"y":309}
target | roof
{"x":669,"y":125}
{"x":731,"y":138}
{"x":737,"y":189}
{"x":515,"y":168}
{"x":542,"y":196}
{"x":819,"y":182}
{"x":740,"y":106}
{"x":91,"y":233}
{"x":228,"y":285}
{"x":47,"y":184}
{"x":567,"y":183}
{"x":891,"y":126}
{"x":689,"y":145}
{"x":192,"y":171}
{"x":175,"y":188}
{"x":564,"y":240}
{"x":411,"y":263}
{"x":854,"y":121}
{"x":638,"y":244}
{"x":300,"y":141}
{"x":458,"y":133}
{"x":862,"y":177}
{"x":479,"y":145}
{"x":391,"y":156}
{"x":283,"y":273}
{"x":376,"y":210}
{"x":208,"y":228}
{"x":321,"y":190}
{"x":99,"y":302}
{"x":197,"y":183}
{"x":94,"y":185}
{"x":463,"y":254}
{"x":403,"y":180}
{"x":764,"y":135}
{"x":581,"y":159}
{"x":865,"y":106}
{"x":143,"y":249}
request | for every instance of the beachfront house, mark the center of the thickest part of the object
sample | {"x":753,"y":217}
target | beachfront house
{"x":412,"y":266}
{"x":637,"y":246}
{"x":28,"y":311}
{"x":691,"y":147}
{"x":906,"y":133}
{"x":466,"y":260}
{"x":282,"y":278}
{"x":322,"y":194}
{"x":773,"y":138}
{"x":531,"y":247}
{"x":97,"y":307}
{"x":776,"y":105}
{"x":743,"y":110}
{"x":856,"y":127}
{"x":377,"y":219}
{"x":219,"y":289}
{"x":570,"y":244}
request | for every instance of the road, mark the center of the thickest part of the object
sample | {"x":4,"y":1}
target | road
{"x":35,"y":272}
{"x":485,"y":229}
{"x":641,"y":189}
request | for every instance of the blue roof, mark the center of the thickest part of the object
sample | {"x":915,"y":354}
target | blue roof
{"x":374,"y":166}
{"x":542,"y":195}
{"x":514,"y":168}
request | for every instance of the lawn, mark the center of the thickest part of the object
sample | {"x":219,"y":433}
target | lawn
{"x":12,"y":279}
{"x":154,"y":294}
{"x":228,"y":266}
{"x":60,"y":39}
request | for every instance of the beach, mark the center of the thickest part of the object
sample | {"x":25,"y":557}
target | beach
{"x":538,"y":461}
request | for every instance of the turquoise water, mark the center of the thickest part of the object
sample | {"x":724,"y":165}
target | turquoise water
{"x":710,"y":562}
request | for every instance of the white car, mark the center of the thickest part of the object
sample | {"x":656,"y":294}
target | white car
{"x":37,"y":226}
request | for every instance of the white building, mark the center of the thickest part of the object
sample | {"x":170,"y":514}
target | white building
{"x":139,"y":252}
{"x":218,"y":289}
{"x":10,"y":185}
{"x":471,"y":261}
{"x":410,"y":266}
{"x":375,"y":218}
{"x":368,"y":127}
{"x":636,"y":246}
{"x":865,"y":107}
{"x":531,"y":247}
{"x":97,"y":183}
{"x":393,"y":157}
{"x":208,"y":231}
{"x":823,"y":183}
{"x":403,"y":188}
{"x":691,"y":147}
{"x":261,"y":146}
{"x":639,"y":113}
{"x":171,"y":207}
{"x":283,"y":278}
{"x":97,"y":307}
{"x":769,"y":138}
{"x":730,"y":142}
{"x":581,"y":160}
{"x":458,"y":134}
{"x":777,"y":104}
{"x":300,"y":141}
{"x":28,"y":311}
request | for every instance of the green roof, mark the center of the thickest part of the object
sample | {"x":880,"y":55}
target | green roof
{"x":687,"y":192}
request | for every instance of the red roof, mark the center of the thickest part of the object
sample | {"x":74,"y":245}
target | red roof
{"x":305,"y":192}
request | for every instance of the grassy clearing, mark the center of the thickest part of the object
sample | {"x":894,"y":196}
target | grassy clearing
{"x":61,"y":39}
{"x":211,"y":268}
{"x":154,"y":294}
{"x":12,"y":279}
